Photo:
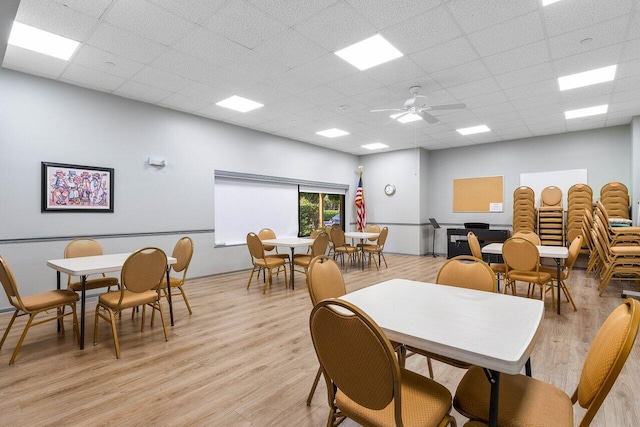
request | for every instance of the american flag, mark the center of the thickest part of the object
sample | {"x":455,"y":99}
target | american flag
{"x":360,"y":209}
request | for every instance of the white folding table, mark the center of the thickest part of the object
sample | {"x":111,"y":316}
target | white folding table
{"x":491,"y":330}
{"x":290,"y":242}
{"x":362,"y":235}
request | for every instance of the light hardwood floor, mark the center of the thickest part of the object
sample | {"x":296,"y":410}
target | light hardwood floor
{"x":246,"y":359}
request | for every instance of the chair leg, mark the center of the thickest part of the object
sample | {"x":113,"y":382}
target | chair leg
{"x":158,"y":306}
{"x":186,"y":301}
{"x":380,"y":254}
{"x":430,"y":366}
{"x":568,"y":295}
{"x":21,"y":340}
{"x":314,"y":386}
{"x":76,"y":330}
{"x":6,"y":331}
{"x":116,"y":343}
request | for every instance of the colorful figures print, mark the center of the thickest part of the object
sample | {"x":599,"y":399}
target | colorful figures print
{"x":78,"y":188}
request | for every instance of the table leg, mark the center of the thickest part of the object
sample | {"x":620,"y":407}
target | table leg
{"x":291,"y":266}
{"x":362,"y":253}
{"x":493,"y":403}
{"x":58,"y":287}
{"x":527,"y":367}
{"x":83,"y":281}
{"x":558,"y":283}
{"x":169,"y":295}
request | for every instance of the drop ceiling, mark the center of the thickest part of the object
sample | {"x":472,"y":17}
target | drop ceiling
{"x":500,"y":57}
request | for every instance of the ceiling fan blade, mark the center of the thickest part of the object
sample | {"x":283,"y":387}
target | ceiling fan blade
{"x":386,"y":109}
{"x":447,"y":107}
{"x":427,"y":117}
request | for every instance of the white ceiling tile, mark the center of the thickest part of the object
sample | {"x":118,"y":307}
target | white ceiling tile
{"x":485,"y":100}
{"x":600,"y":89}
{"x":389,"y":12}
{"x":422,"y":31}
{"x":328,"y":68}
{"x":28,"y":61}
{"x":354,"y":84}
{"x":532,"y":89}
{"x":628,"y":69}
{"x":291,"y":48}
{"x":94,"y":8}
{"x":517,"y":59}
{"x":56,"y":18}
{"x":149,"y":21}
{"x":585,"y":39}
{"x":183,"y":103}
{"x":208,"y":46}
{"x":566,"y":16}
{"x":98,"y":59}
{"x":336,"y":27}
{"x":116,"y":40}
{"x":293,"y":82}
{"x":631,"y":50}
{"x":396,"y":71}
{"x":534,"y":73}
{"x":629,"y":94}
{"x":478,"y":87}
{"x":539,"y":101}
{"x":185,"y":66}
{"x":347,"y":107}
{"x":547,"y":129}
{"x":204,"y":92}
{"x":214,"y":111}
{"x":492,"y":110}
{"x":142,"y":92}
{"x":244,"y":24}
{"x":465,"y":73}
{"x":478,"y":14}
{"x":515,"y":133}
{"x":520,"y":31}
{"x":91,"y":78}
{"x":445,"y":55}
{"x":192,"y":10}
{"x":161,"y":79}
{"x":283,"y":10}
{"x":588,"y":60}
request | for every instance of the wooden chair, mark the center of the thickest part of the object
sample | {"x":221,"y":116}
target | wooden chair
{"x":140,"y":277}
{"x":318,"y":248}
{"x":341,"y":247}
{"x":574,"y":250}
{"x":498,"y":269}
{"x":265,"y":234}
{"x":182,"y":252}
{"x":260,"y":261}
{"x":87,"y":247}
{"x":364,"y":380}
{"x":377,"y":249}
{"x":528,"y":401}
{"x":462,"y":271}
{"x":523,"y":263}
{"x":33,"y":305}
{"x":528,"y":235}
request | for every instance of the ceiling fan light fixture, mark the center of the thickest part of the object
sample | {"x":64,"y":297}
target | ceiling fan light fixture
{"x":406,"y":118}
{"x":473,"y":129}
{"x":369,"y":52}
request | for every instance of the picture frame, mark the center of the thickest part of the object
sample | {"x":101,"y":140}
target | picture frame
{"x":76,"y":188}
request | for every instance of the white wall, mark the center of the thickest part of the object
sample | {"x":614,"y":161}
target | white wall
{"x":44,"y":120}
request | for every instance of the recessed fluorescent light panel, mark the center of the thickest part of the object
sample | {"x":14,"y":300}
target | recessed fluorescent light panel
{"x":40,"y":41}
{"x":369,"y":52}
{"x":548,"y":2}
{"x":592,"y":77}
{"x":332,"y":133}
{"x":239,"y":103}
{"x":585,"y":112}
{"x":375,"y":146}
{"x":406,"y":118}
{"x":473,"y":129}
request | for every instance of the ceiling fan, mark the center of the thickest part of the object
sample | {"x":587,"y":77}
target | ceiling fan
{"x":417,"y":105}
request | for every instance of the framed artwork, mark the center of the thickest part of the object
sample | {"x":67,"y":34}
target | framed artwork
{"x":75,"y":188}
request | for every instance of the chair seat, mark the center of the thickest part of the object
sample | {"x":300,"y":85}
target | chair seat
{"x":47,"y":299}
{"x":346,"y":249}
{"x":530,"y":277}
{"x":553,"y":271}
{"x":420,"y":397}
{"x":524,"y":401}
{"x":270,"y":262}
{"x":98,"y":282}
{"x":283,"y":256}
{"x":302,"y":260}
{"x":130,"y":299}
{"x":173,"y":281}
{"x":498,"y":268}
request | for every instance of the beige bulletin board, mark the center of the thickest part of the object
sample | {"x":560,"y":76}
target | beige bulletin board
{"x":478,"y":194}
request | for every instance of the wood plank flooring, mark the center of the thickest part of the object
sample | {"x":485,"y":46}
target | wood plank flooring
{"x":246,"y":359}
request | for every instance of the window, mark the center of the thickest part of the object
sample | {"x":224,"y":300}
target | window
{"x":317,"y":210}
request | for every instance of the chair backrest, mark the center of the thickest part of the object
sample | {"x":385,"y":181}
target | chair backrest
{"x":520,"y":254}
{"x":528,"y":235}
{"x":325,"y":279}
{"x":255,"y":246}
{"x":474,"y":245}
{"x":9,"y":283}
{"x":574,"y":250}
{"x":315,"y":233}
{"x":356,"y":355}
{"x":606,"y":357}
{"x":551,"y":196}
{"x":82,"y":247}
{"x":382,"y":237}
{"x":372,"y":228}
{"x":337,"y":236}
{"x":143,"y":270}
{"x":320,"y":244}
{"x":267,"y":233}
{"x":467,"y":272}
{"x":182,"y":251}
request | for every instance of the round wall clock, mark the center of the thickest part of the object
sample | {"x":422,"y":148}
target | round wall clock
{"x":389,"y":189}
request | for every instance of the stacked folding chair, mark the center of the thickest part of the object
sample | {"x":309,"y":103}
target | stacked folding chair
{"x":615,"y":198}
{"x":579,"y":198}
{"x":551,"y":217}
{"x":524,"y":210}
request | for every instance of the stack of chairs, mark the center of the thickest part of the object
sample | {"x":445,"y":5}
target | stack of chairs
{"x":524,"y":210}
{"x":551,"y":217}
{"x":579,"y":198}
{"x":615,"y":198}
{"x":617,"y":250}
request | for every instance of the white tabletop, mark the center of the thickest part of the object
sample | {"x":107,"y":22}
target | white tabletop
{"x":84,"y":266}
{"x":292,"y":242}
{"x":486,"y":329}
{"x":545,"y":251}
{"x":360,"y":235}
